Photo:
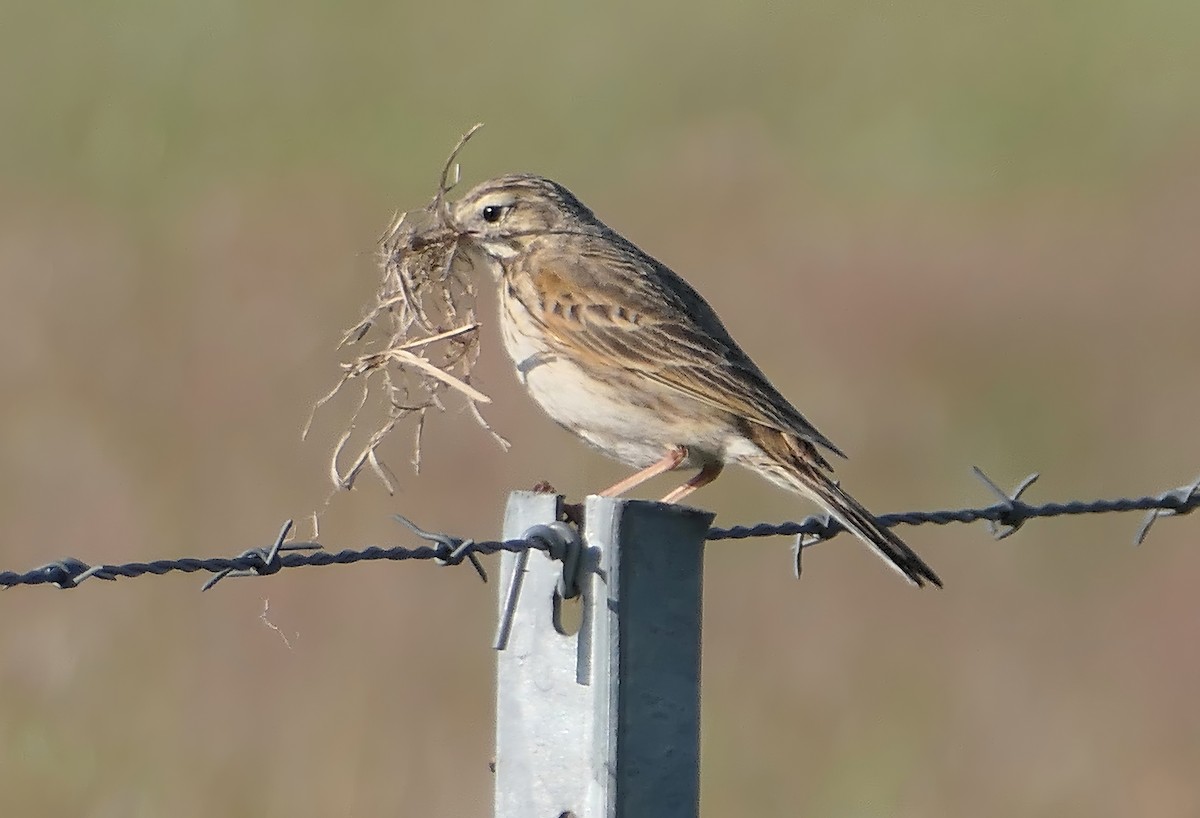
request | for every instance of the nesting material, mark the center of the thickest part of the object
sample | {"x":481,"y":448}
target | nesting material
{"x":417,"y":344}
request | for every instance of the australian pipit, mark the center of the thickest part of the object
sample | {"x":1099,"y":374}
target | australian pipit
{"x":622,"y":352}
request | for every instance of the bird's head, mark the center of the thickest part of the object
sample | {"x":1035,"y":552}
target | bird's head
{"x":502,"y":216}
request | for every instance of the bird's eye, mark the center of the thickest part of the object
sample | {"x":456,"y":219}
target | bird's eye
{"x":491,"y":213}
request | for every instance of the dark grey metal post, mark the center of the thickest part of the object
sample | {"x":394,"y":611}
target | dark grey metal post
{"x":604,"y":723}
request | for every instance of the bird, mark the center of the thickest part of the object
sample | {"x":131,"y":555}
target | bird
{"x":622,"y":352}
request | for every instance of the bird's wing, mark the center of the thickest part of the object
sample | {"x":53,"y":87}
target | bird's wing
{"x":612,"y":306}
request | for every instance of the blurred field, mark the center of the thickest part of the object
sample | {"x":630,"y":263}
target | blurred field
{"x":954,"y":234}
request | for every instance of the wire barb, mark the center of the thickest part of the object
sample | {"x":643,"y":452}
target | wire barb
{"x":268,"y":559}
{"x":1188,"y":497}
{"x":70,"y":572}
{"x":823,"y":527}
{"x":1011,"y":518}
{"x":456,"y":550}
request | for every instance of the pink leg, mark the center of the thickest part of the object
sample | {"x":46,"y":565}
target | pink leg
{"x":670,"y":460}
{"x":706,"y":475}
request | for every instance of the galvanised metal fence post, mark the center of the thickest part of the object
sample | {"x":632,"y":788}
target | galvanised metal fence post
{"x":604,"y":723}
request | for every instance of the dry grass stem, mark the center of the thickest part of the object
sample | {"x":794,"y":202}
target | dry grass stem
{"x":419,"y":340}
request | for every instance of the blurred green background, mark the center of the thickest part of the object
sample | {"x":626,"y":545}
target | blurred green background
{"x":952,"y":233}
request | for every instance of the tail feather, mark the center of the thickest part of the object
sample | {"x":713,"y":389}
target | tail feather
{"x":795,"y":464}
{"x":862,"y":524}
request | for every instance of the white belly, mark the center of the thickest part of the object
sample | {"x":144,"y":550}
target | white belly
{"x":635,"y":422}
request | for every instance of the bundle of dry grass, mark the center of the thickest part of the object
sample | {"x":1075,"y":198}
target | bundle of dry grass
{"x":419,"y":340}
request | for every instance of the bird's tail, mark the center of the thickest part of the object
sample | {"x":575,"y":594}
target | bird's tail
{"x":794,"y":467}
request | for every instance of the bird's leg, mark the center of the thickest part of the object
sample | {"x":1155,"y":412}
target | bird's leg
{"x":706,"y":475}
{"x":670,"y":460}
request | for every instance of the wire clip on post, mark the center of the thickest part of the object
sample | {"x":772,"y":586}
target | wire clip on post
{"x":562,"y":543}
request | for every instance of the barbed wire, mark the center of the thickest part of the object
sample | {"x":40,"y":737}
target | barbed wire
{"x":1004,"y":517}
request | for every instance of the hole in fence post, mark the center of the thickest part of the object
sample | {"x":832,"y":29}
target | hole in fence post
{"x":567,"y":617}
{"x":567,"y":814}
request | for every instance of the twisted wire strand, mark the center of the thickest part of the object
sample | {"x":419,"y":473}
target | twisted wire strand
{"x":1004,"y":517}
{"x":1005,"y":513}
